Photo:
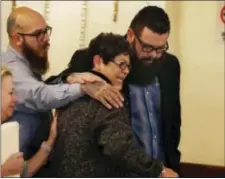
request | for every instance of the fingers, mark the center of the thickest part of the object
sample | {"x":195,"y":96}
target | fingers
{"x":173,"y":173}
{"x":105,"y":103}
{"x":105,"y":93}
{"x":71,"y":80}
{"x":110,"y":98}
{"x":113,"y":98}
{"x":75,"y":78}
{"x":119,"y":96}
{"x":169,"y":173}
{"x":109,"y":101}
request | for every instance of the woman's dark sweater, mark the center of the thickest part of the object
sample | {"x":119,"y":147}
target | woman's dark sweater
{"x":97,"y":142}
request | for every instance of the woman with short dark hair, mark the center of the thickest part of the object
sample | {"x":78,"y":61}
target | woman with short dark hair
{"x":94,"y":141}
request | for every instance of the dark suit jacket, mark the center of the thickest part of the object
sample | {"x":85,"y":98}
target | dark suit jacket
{"x":169,"y":79}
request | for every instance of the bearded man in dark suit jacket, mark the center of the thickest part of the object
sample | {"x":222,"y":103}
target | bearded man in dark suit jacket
{"x":152,"y":87}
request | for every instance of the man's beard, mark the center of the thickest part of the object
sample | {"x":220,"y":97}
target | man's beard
{"x":145,"y":69}
{"x":39,"y":65}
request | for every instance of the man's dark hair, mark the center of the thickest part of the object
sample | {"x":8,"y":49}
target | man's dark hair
{"x":108,"y":46}
{"x":152,"y":17}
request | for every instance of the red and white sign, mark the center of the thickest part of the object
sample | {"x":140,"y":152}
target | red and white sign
{"x":222,"y":14}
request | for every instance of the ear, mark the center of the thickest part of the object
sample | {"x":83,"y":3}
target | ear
{"x":18,"y":39}
{"x":130,"y":35}
{"x":97,"y":60}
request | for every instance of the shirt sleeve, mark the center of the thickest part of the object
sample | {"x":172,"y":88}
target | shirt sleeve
{"x":38,"y":96}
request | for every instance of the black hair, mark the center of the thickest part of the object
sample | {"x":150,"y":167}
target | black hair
{"x":108,"y":46}
{"x":152,"y":17}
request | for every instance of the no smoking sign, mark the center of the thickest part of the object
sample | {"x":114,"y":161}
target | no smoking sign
{"x":222,"y":17}
{"x":222,"y":14}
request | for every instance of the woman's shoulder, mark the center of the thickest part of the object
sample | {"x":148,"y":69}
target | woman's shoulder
{"x":76,"y":105}
{"x":77,"y":115}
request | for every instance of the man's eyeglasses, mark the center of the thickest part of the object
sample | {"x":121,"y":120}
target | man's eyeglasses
{"x":39,"y":34}
{"x":149,"y":48}
{"x":123,"y":65}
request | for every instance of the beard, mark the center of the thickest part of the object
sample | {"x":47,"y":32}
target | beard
{"x":39,"y":65}
{"x":145,"y":69}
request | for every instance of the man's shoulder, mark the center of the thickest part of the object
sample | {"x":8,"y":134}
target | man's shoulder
{"x":13,"y":62}
{"x":10,"y":61}
{"x":7,"y":57}
{"x":172,"y":60}
{"x":11,"y":56}
{"x":171,"y":57}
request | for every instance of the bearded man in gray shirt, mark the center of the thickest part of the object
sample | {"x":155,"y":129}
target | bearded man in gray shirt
{"x":27,"y":58}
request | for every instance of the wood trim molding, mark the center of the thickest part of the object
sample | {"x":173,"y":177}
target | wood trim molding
{"x":83,"y":23}
{"x":115,"y":10}
{"x":13,"y":4}
{"x":47,"y":9}
{"x":200,"y":170}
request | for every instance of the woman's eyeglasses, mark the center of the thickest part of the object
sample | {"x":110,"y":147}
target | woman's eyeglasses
{"x":123,"y":65}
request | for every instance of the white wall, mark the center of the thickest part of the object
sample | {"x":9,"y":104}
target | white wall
{"x":36,"y":5}
{"x":200,"y":48}
{"x":100,"y":16}
{"x":6,"y":7}
{"x":65,"y":35}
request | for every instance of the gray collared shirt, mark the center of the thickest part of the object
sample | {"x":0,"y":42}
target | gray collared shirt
{"x":35,"y":99}
{"x":33,"y":94}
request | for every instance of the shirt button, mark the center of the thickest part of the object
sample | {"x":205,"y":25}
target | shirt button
{"x":147,"y":93}
{"x":155,"y":137}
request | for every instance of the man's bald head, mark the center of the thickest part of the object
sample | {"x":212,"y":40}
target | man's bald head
{"x":22,"y":19}
{"x":29,"y":35}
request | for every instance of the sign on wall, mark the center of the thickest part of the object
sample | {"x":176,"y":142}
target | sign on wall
{"x":222,"y":18}
{"x":220,"y":22}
